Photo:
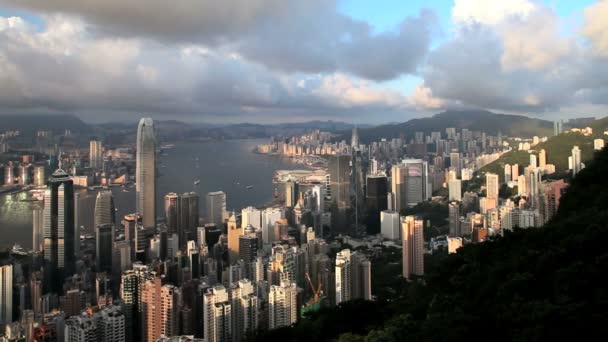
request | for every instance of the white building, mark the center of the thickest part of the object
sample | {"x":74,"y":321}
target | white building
{"x":455,"y":190}
{"x":217,"y":315}
{"x":282,"y":305}
{"x":389,"y":224}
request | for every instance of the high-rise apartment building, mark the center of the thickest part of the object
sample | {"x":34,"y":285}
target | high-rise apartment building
{"x":413,"y":246}
{"x":576,"y":160}
{"x":217,"y":315}
{"x":251,"y":216}
{"x":455,"y":190}
{"x":145,"y":177}
{"x":269,"y":217}
{"x":245,"y":309}
{"x":390,"y":227}
{"x":492,"y":185}
{"x":282,"y":305}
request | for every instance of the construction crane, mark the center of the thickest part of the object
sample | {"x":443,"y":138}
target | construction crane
{"x":316,"y":292}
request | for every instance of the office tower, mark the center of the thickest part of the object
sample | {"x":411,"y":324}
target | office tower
{"x":104,"y":243}
{"x":319,"y":198}
{"x":492,"y":185}
{"x":417,"y":187}
{"x":217,"y":315}
{"x":343,"y":277}
{"x":111,"y":324}
{"x":340,"y":185}
{"x":282,"y":305}
{"x":129,"y":223}
{"x":122,"y":256}
{"x":188,"y":217}
{"x":216,"y":208}
{"x":80,"y":329}
{"x":292,"y":190}
{"x":598,"y":144}
{"x":576,"y":160}
{"x":251,"y":216}
{"x":39,"y":176}
{"x":269,"y":217}
{"x":542,"y":158}
{"x":455,"y":190}
{"x":95,"y":155}
{"x":248,"y":246}
{"x":454,"y":219}
{"x":354,"y":141}
{"x":234,"y":233}
{"x":6,"y":294}
{"x":389,"y":222}
{"x":145,"y":177}
{"x":398,"y":173}
{"x":105,"y":212}
{"x":376,"y":201}
{"x":59,"y":231}
{"x":412,"y":230}
{"x":172,"y":212}
{"x":200,"y":236}
{"x":558,"y":127}
{"x":245,"y":309}
{"x":24,"y":174}
{"x":37,"y":228}
{"x":453,"y":244}
{"x":361,"y":276}
{"x":455,"y":163}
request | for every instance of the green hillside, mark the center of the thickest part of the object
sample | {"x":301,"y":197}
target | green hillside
{"x":476,"y":120}
{"x":558,"y":149}
{"x":538,"y":284}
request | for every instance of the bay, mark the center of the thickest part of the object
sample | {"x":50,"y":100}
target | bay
{"x":228,"y":166}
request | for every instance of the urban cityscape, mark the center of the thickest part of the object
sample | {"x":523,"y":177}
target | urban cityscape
{"x":121,"y":222}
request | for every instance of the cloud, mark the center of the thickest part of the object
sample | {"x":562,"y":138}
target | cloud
{"x":488,"y":12}
{"x":596,"y":27}
{"x":423,"y":98}
{"x":284,"y":35}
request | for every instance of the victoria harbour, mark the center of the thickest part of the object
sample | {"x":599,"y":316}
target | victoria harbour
{"x":228,"y":165}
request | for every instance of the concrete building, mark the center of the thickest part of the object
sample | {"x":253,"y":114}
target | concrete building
{"x":282,"y":305}
{"x":105,"y":211}
{"x":389,"y":225}
{"x":95,"y":155}
{"x":412,"y":235}
{"x":455,"y":190}
{"x":216,"y":207}
{"x":6,"y":294}
{"x":145,"y":174}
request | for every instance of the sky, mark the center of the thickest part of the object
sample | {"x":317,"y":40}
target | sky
{"x":269,"y":61}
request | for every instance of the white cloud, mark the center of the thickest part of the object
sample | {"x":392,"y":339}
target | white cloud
{"x":596,"y":27}
{"x":489,"y":12}
{"x":423,"y":98}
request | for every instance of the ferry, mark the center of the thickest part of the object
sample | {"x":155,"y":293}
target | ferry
{"x":18,"y":250}
{"x":249,"y":187}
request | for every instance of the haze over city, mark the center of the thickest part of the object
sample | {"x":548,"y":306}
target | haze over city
{"x":267,"y":170}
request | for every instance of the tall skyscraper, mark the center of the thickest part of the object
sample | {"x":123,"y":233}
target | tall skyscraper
{"x":246,"y":307}
{"x":6,"y":294}
{"x":39,"y":175}
{"x":454,"y":219}
{"x":455,"y":163}
{"x":216,"y":207}
{"x":172,"y":211}
{"x":37,"y":228}
{"x":95,"y":154}
{"x":188,"y":217}
{"x":417,"y":188}
{"x":104,"y":243}
{"x":105,"y":211}
{"x":354,"y":141}
{"x":542,"y":158}
{"x":376,"y":201}
{"x":269,"y":217}
{"x":340,"y":186}
{"x":282,"y":305}
{"x":292,"y":190}
{"x":111,"y":324}
{"x":398,"y":173}
{"x":413,"y":246}
{"x":145,"y":177}
{"x":576,"y":160}
{"x":492,"y":185}
{"x":59,"y":231}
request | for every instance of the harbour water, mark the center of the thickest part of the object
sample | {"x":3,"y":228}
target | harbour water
{"x":229,"y":166}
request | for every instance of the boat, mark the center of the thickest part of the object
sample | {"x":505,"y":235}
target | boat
{"x":18,"y":250}
{"x":197,"y":182}
{"x":249,"y":187}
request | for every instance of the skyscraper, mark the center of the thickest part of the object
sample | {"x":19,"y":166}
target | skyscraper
{"x":282,"y":305}
{"x":455,"y":190}
{"x":6,"y":294}
{"x":455,"y":163}
{"x":291,"y":193}
{"x":454,"y":219}
{"x":542,"y":158}
{"x":217,"y":315}
{"x":339,"y":175}
{"x":343,"y":276}
{"x":59,"y":230}
{"x":95,"y":154}
{"x":398,"y":173}
{"x":251,"y":216}
{"x":354,"y":141}
{"x":576,"y":160}
{"x":375,"y":200}
{"x":413,"y":246}
{"x":216,"y":207}
{"x":172,"y":212}
{"x":39,"y":175}
{"x":188,"y":217}
{"x":104,"y":243}
{"x":105,"y":212}
{"x":389,"y":221}
{"x":145,"y":177}
{"x":417,"y":188}
{"x":38,"y":228}
{"x":269,"y":217}
{"x":245,"y":306}
{"x":234,"y":233}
